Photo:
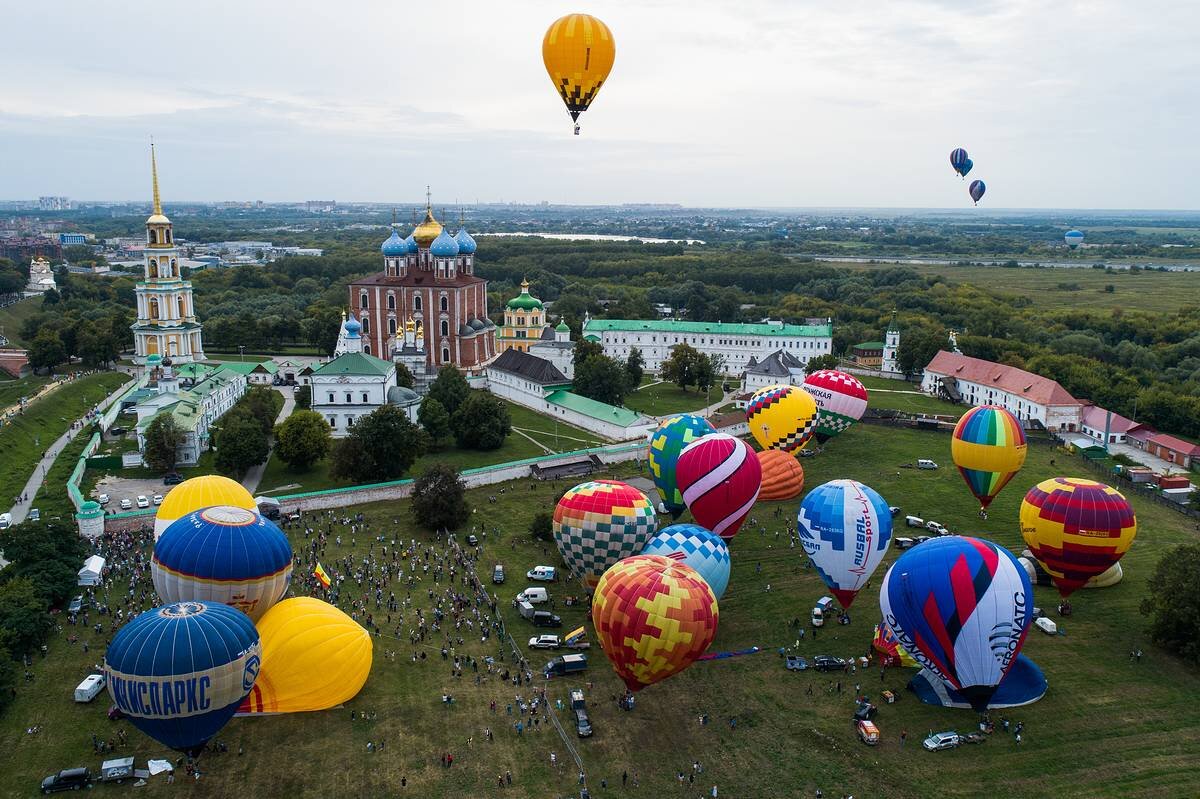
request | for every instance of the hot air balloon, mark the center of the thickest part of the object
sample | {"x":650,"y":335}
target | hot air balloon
{"x":782,"y":475}
{"x":1073,"y":239}
{"x":1076,"y":528}
{"x":884,"y":643}
{"x":654,"y":617}
{"x":200,"y":492}
{"x":692,"y":545}
{"x":599,"y":522}
{"x":966,"y":167}
{"x":719,"y":476}
{"x":845,"y":528}
{"x":665,"y":445}
{"x":988,"y":447}
{"x":781,"y":417}
{"x":179,"y":672}
{"x":841,"y":401}
{"x":977,"y":188}
{"x":961,"y":607}
{"x":578,"y":51}
{"x":223,"y":554}
{"x":958,"y":158}
{"x":314,"y":657}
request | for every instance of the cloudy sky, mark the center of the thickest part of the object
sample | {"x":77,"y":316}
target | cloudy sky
{"x":712,"y":102}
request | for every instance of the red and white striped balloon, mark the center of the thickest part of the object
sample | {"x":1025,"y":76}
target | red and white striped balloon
{"x":719,"y":476}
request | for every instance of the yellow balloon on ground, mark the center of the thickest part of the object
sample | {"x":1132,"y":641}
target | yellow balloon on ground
{"x":200,"y":492}
{"x":578,"y":51}
{"x":314,"y":657}
{"x":782,"y":417}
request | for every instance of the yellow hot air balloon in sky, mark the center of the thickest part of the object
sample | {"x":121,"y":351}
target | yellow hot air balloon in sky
{"x":200,"y":492}
{"x":314,"y":657}
{"x":578,"y":51}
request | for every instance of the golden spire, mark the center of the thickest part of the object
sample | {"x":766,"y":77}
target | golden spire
{"x":154,"y":174}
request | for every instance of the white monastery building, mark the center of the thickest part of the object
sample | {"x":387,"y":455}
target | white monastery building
{"x":1027,"y":396}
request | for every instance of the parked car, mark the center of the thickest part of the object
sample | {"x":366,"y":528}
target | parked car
{"x":544,"y":642}
{"x":173,"y":479}
{"x":583,"y":725}
{"x":565,"y":664}
{"x":914,"y":521}
{"x":1048,"y":626}
{"x":69,"y":779}
{"x":868,"y":733}
{"x":472,"y":540}
{"x":534,"y":595}
{"x":543,"y":618}
{"x":823,"y":607}
{"x":157,"y":499}
{"x":905,"y":543}
{"x":942,"y":740}
{"x":35,"y":515}
{"x":895,"y":510}
{"x":76,"y":604}
{"x":925,"y":463}
{"x":498,"y":573}
{"x":104,"y":499}
{"x":5,"y":521}
{"x":921,"y":539}
{"x":91,"y":686}
{"x":126,"y":504}
{"x":828,"y":663}
{"x":543,"y":573}
{"x":935,"y":527}
{"x":142,"y":501}
{"x":117,"y":431}
{"x":795,"y":663}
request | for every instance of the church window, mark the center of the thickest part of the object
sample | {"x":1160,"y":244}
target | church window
{"x":416,"y":302}
{"x":391,"y":326}
{"x":362,"y":301}
{"x":167,"y":235}
{"x":365,"y":400}
{"x":367,"y":347}
{"x":154,"y":237}
{"x":445,"y":303}
{"x":331,"y":399}
{"x":445,"y":328}
{"x":349,"y":397}
{"x":366,"y":324}
{"x":333,"y":421}
{"x":445,"y":354}
{"x":391,"y":301}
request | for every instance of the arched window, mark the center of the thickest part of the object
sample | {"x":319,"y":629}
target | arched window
{"x":416,"y":302}
{"x":153,"y":236}
{"x":445,"y":328}
{"x":367,"y":349}
{"x":391,"y":301}
{"x":182,"y":314}
{"x":153,"y":308}
{"x":445,"y":354}
{"x":445,"y":303}
{"x":362,"y":301}
{"x":391,"y":326}
{"x":366,"y":324}
{"x":167,"y":235}
{"x":174,"y":268}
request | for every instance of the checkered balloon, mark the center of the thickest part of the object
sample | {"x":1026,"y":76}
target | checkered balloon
{"x":841,"y":401}
{"x":782,"y":417}
{"x":654,"y":616}
{"x":692,"y":545}
{"x":599,"y":522}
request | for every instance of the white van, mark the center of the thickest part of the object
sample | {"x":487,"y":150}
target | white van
{"x":1047,"y":626}
{"x":925,"y":463}
{"x":934,"y":527}
{"x":87,"y":690}
{"x":543,"y":573}
{"x":5,"y":521}
{"x":823,"y":606}
{"x":534,"y":595}
{"x":914,"y":521}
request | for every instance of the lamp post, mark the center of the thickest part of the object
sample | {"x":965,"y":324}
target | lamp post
{"x":241,"y":352}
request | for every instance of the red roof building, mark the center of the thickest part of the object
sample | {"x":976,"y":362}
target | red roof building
{"x":1097,"y":420}
{"x":1174,"y":450}
{"x":1029,"y":397}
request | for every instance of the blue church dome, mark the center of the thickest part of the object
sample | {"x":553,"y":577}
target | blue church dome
{"x":353,"y":326}
{"x":466,"y":244}
{"x":412,"y":244}
{"x":444,"y":246}
{"x":394,"y":245}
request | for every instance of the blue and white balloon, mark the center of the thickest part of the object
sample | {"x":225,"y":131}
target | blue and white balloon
{"x":695,"y":546}
{"x":845,"y":528}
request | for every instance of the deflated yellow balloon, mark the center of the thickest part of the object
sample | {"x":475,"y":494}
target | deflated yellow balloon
{"x":578,"y":51}
{"x":314,"y":657}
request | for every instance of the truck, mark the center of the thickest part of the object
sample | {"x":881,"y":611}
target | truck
{"x":565,"y":664}
{"x":583,"y":725}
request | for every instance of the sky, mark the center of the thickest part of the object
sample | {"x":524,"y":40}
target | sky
{"x":764,"y":103}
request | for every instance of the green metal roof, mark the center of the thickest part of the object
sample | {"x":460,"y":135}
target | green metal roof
{"x":590,"y":407}
{"x":356,"y":363}
{"x":715,"y":328}
{"x":195,"y":370}
{"x":524,"y":302}
{"x":869,"y":345}
{"x":247,"y":367}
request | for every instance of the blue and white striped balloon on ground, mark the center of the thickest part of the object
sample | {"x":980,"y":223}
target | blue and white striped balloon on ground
{"x":845,"y":528}
{"x":179,"y":672}
{"x":223,"y":554}
{"x":695,"y":546}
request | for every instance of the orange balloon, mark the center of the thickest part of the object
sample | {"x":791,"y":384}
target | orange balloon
{"x":782,"y":475}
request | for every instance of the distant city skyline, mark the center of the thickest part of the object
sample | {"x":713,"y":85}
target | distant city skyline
{"x":765,"y":104}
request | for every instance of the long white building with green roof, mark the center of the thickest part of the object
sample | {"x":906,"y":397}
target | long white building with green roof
{"x":737,"y":342}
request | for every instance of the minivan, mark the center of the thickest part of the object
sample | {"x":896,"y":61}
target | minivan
{"x":543,"y":573}
{"x":87,"y":690}
{"x":5,"y":521}
{"x":823,"y":606}
{"x":914,"y":521}
{"x":534,"y":595}
{"x":565,"y":664}
{"x":925,"y":463}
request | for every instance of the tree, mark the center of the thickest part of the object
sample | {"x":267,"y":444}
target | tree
{"x":585,"y":349}
{"x":241,"y":442}
{"x":263,"y":404}
{"x":404,"y":377}
{"x":634,"y":368}
{"x":304,"y":397}
{"x":601,"y":378}
{"x":709,"y":370}
{"x":23,"y":615}
{"x":383,"y":445}
{"x":302,"y":440}
{"x":918,"y":345}
{"x":163,"y":437}
{"x":47,"y":350}
{"x":449,"y":388}
{"x":820,"y":362}
{"x":542,"y":526}
{"x":8,"y":674}
{"x":482,"y":422}
{"x":1173,"y":602}
{"x":434,"y":417}
{"x":98,"y":346}
{"x":683,"y":367}
{"x":439,"y":500}
{"x":47,"y":553}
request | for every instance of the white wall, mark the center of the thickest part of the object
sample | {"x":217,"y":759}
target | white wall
{"x":1053,"y":417}
{"x":366,"y":393}
{"x":737,"y":349}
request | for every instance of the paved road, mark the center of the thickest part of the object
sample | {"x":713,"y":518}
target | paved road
{"x":254,"y":476}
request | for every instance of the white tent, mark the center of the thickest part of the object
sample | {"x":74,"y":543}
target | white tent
{"x":90,"y":573}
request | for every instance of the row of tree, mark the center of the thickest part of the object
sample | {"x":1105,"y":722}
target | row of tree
{"x":241,"y":438}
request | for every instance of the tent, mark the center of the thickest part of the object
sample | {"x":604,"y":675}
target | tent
{"x":92,"y":568}
{"x":1024,"y":685}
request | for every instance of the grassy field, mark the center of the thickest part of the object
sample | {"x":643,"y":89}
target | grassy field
{"x":11,"y":391}
{"x":1150,"y":291}
{"x":24,"y":439}
{"x":1107,"y":727}
{"x":664,"y":399}
{"x":13,"y":316}
{"x":901,"y":395}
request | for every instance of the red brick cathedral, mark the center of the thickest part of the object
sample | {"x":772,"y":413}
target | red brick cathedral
{"x":428,"y":278}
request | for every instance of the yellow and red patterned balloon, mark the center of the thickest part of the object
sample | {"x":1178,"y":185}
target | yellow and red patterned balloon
{"x":599,"y":522}
{"x":654,"y":616}
{"x":782,"y":417}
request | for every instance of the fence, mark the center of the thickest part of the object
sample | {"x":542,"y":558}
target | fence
{"x":1137,"y":488}
{"x":77,"y":473}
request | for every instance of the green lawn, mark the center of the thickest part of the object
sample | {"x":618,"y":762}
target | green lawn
{"x":11,"y":391}
{"x":13,"y":316}
{"x":27,"y":436}
{"x":665,"y":399}
{"x":901,"y":395}
{"x":1106,"y":728}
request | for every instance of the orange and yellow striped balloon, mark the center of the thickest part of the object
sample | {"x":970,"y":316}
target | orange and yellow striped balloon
{"x":578,"y":51}
{"x":654,"y":616}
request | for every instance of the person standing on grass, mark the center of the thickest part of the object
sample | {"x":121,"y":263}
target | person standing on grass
{"x":903,"y":737}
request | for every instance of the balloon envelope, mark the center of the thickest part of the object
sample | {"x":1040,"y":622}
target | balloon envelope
{"x":654,"y":617}
{"x":179,"y":672}
{"x":841,"y":401}
{"x":314,"y":657}
{"x":200,"y":492}
{"x":599,"y":522}
{"x":223,"y":554}
{"x":1073,"y":239}
{"x":782,"y":417}
{"x":665,"y":445}
{"x":845,"y":528}
{"x":692,"y":545}
{"x":1076,"y":528}
{"x":966,"y":167}
{"x":958,"y":157}
{"x":962,"y":608}
{"x":988,"y":447}
{"x":782,"y":475}
{"x":719,"y":476}
{"x":977,"y":189}
{"x":578,"y":51}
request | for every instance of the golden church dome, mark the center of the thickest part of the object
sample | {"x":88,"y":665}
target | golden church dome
{"x":427,"y":231}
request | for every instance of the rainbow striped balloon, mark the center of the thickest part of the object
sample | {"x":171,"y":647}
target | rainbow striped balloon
{"x":1076,"y":528}
{"x":988,"y":447}
{"x":719,"y":476}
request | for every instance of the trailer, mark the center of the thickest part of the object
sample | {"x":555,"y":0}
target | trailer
{"x":116,"y":770}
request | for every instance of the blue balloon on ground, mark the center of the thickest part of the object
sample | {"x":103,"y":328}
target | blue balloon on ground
{"x":695,"y":546}
{"x":1024,"y":685}
{"x":180,"y":671}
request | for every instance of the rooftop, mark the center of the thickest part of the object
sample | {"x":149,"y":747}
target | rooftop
{"x":777,"y":364}
{"x":715,"y":328}
{"x":869,"y":345}
{"x":1097,"y":418}
{"x":531,"y":367}
{"x":249,"y":367}
{"x":1034,"y":388}
{"x":590,"y":407}
{"x":1177,"y":444}
{"x":356,"y":363}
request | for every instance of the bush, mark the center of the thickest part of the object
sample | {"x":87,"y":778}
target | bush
{"x":439,"y":500}
{"x":542,"y":526}
{"x":1173,"y":602}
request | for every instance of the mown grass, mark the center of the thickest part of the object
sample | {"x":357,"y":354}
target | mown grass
{"x":1106,"y":728}
{"x":664,"y":399}
{"x":904,"y":396}
{"x":13,"y":316}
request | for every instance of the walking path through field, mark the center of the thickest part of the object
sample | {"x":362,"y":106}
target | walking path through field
{"x":254,"y":476}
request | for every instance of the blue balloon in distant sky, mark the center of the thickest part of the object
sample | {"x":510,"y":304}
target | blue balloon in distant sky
{"x":1073,"y":239}
{"x":966,"y":167}
{"x":961,"y":607}
{"x":179,"y":672}
{"x":694,"y":546}
{"x":845,"y":528}
{"x":958,"y":157}
{"x":978,"y":187}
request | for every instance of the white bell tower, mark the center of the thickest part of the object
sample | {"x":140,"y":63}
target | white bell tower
{"x":891,"y":347}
